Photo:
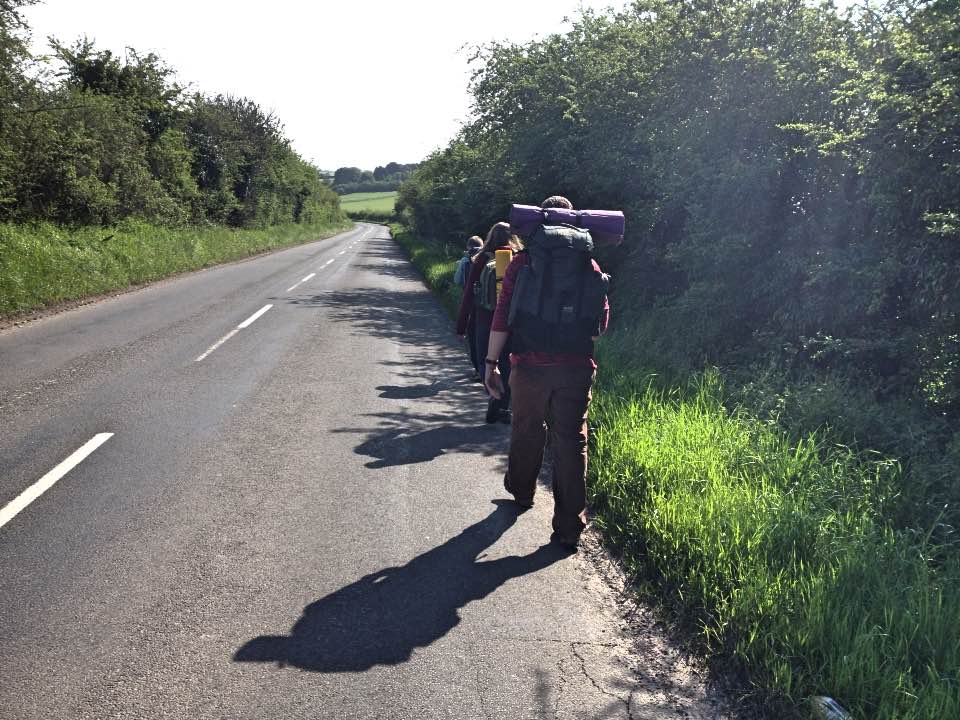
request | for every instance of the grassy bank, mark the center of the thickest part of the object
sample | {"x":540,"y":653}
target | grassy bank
{"x":44,"y":264}
{"x":776,"y":548}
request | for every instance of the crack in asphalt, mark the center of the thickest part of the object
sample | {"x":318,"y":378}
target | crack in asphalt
{"x":583,"y":643}
{"x":563,"y":681}
{"x":483,"y":704}
{"x":583,"y":669}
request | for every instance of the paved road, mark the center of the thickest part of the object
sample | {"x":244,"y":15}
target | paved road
{"x":307,"y":522}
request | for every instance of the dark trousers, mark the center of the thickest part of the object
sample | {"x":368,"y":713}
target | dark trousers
{"x":483,"y":339}
{"x":556,"y":398}
{"x":475,"y":359}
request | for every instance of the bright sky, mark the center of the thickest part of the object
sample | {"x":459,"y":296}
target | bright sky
{"x":355,"y":83}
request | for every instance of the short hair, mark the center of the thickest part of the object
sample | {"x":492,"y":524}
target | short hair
{"x":557,"y":201}
{"x":475,"y":241}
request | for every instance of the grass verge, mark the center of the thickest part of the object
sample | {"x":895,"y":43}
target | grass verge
{"x":774,"y":548}
{"x":44,"y":264}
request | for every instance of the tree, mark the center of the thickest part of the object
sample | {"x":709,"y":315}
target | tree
{"x":345,"y":175}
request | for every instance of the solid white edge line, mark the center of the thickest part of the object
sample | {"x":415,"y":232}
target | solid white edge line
{"x":245,"y":324}
{"x":23,"y":500}
{"x":253,"y":318}
{"x":301,"y":282}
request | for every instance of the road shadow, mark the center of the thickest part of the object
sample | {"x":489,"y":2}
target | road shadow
{"x":382,"y":617}
{"x":408,"y":318}
{"x":405,"y":438}
{"x":413,"y":392}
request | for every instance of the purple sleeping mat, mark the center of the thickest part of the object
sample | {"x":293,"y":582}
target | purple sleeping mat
{"x":605,"y":226}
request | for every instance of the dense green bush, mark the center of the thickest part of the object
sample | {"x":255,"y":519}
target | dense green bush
{"x":377,"y":216}
{"x":777,"y":548}
{"x":111,"y":175}
{"x":792,"y":186}
{"x":105,"y":138}
{"x":791,"y":179}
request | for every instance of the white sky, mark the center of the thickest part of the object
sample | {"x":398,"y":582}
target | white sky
{"x":357,"y":83}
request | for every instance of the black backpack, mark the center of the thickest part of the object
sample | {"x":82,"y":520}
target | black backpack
{"x":559,"y":296}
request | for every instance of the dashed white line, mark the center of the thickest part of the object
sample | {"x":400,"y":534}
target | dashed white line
{"x":245,"y":324}
{"x":328,"y":262}
{"x":341,"y":252}
{"x":302,"y":281}
{"x":253,"y":318}
{"x":19,"y":503}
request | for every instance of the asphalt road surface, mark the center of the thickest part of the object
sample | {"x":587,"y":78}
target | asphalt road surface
{"x":286,"y":504}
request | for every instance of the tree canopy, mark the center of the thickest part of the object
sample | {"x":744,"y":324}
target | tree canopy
{"x":791,"y":180}
{"x":104,"y":138}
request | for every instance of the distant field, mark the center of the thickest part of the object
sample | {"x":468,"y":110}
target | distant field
{"x":374,"y":202}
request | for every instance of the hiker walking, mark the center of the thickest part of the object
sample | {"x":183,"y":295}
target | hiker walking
{"x":477,"y":305}
{"x":552,"y":308}
{"x":474,"y":245}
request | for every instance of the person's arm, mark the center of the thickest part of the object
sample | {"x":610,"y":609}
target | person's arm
{"x":494,"y":382}
{"x":466,"y":300}
{"x":604,"y":319}
{"x":499,"y":330}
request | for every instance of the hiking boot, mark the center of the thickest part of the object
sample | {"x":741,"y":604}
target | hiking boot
{"x":566,"y":543}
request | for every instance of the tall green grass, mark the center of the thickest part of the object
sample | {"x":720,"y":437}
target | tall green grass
{"x":44,"y":264}
{"x":776,"y":548}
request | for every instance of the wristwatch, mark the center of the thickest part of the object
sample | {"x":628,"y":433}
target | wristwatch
{"x":488,"y":361}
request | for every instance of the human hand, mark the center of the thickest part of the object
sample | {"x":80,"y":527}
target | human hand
{"x":494,"y":382}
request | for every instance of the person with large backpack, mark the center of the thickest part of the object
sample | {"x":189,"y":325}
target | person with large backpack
{"x":474,"y":245}
{"x":477,"y":305}
{"x":552,"y":307}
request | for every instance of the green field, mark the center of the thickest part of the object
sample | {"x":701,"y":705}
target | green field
{"x":370,"y":202}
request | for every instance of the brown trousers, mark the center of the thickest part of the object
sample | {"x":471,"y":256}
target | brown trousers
{"x":554,"y":397}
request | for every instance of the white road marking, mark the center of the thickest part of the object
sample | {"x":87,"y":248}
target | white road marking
{"x":302,"y":281}
{"x":328,"y":262}
{"x":19,"y":503}
{"x":253,"y":318}
{"x":245,"y":324}
{"x":341,"y":252}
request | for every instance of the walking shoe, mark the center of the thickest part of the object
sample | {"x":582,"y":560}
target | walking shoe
{"x":525,"y":504}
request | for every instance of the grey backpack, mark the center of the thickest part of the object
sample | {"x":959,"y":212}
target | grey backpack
{"x":559,"y":296}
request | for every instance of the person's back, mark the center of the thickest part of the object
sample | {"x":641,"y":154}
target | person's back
{"x":463,"y":264}
{"x":552,"y":306}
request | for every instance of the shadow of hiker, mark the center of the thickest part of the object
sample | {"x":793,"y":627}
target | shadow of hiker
{"x":404,"y":438}
{"x":412,"y":392}
{"x":400,"y":447}
{"x":381,"y":618}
